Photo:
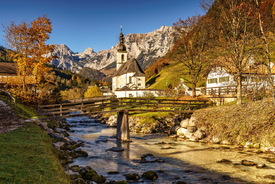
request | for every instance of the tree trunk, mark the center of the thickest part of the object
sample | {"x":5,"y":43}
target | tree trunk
{"x":194,"y":90}
{"x":239,"y":89}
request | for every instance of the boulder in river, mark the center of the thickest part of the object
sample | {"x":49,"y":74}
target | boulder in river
{"x":248,"y":163}
{"x":224,"y":161}
{"x":115,"y":149}
{"x":149,"y":158}
{"x":150,"y":175}
{"x":88,"y":173}
{"x":112,"y":121}
{"x":132,"y":176}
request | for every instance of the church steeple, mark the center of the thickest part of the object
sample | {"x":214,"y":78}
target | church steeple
{"x":121,"y":50}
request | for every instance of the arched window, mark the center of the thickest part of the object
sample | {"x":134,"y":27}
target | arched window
{"x":122,"y":57}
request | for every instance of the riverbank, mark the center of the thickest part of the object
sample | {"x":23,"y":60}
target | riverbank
{"x":251,"y":124}
{"x":26,"y":154}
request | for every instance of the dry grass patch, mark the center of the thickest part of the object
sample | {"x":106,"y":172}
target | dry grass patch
{"x":251,"y":122}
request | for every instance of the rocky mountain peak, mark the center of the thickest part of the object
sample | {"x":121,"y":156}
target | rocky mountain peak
{"x":146,"y":48}
{"x":88,"y":51}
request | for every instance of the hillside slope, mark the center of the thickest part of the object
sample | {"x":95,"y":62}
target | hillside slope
{"x":170,"y":76}
{"x":252,"y":122}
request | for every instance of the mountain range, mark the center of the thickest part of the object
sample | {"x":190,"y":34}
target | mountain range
{"x":146,"y":48}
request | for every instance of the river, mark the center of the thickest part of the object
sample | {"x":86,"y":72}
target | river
{"x":191,"y":162}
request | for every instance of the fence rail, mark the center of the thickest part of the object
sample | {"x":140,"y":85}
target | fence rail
{"x":225,"y":91}
{"x":106,"y":105}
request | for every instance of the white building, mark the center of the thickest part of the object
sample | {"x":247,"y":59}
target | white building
{"x":254,"y":77}
{"x":129,"y":78}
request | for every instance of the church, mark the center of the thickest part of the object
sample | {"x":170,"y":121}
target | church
{"x":129,"y":78}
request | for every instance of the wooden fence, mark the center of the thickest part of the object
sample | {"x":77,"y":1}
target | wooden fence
{"x":225,"y":91}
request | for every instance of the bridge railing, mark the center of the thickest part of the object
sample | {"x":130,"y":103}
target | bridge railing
{"x":95,"y":106}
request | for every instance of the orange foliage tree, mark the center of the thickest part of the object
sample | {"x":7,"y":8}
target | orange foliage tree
{"x":29,"y":42}
{"x":192,"y":48}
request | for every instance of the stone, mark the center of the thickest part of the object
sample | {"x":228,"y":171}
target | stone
{"x":58,"y":145}
{"x":81,"y":153}
{"x":73,"y":175}
{"x":149,"y":158}
{"x":259,"y":166}
{"x":179,"y":182}
{"x":117,"y":182}
{"x":193,"y":139}
{"x":132,"y":177}
{"x":174,"y":129}
{"x":113,"y":172}
{"x":248,"y":163}
{"x":192,"y":129}
{"x":88,"y":173}
{"x":189,"y":135}
{"x":112,"y":121}
{"x":115,"y":149}
{"x":271,"y":177}
{"x":192,"y":121}
{"x":182,"y":132}
{"x":224,"y":161}
{"x":200,"y":134}
{"x":150,"y":175}
{"x":226,"y":142}
{"x":75,"y":168}
{"x":216,"y":139}
{"x":184,"y":123}
{"x":78,"y":181}
{"x":248,"y":145}
{"x":271,"y":160}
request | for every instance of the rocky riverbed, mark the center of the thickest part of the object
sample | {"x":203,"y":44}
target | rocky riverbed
{"x":91,"y":154}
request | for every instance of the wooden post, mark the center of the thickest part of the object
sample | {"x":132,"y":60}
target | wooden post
{"x":123,"y":132}
{"x":61,"y":109}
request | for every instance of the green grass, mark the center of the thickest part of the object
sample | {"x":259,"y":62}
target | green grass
{"x":20,"y":109}
{"x":151,"y":117}
{"x":170,"y":77}
{"x":26,"y":157}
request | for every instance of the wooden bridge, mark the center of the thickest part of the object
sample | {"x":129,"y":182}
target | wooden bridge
{"x":122,"y":106}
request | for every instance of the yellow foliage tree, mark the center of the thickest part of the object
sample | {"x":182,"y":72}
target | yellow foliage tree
{"x":92,"y":92}
{"x":29,"y":42}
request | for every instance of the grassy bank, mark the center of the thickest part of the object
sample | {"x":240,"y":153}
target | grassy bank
{"x":251,"y":122}
{"x":27,"y":155}
{"x":20,"y":109}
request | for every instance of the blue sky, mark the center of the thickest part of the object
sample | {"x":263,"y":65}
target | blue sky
{"x":96,"y":23}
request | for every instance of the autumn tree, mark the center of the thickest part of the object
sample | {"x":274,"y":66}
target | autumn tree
{"x":29,"y":42}
{"x":233,"y":27}
{"x":265,"y":14}
{"x":92,"y":91}
{"x":192,"y":48}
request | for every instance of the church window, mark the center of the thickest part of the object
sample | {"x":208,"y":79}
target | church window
{"x":122,"y":57}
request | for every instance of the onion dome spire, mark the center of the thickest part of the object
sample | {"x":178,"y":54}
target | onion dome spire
{"x":121,"y":45}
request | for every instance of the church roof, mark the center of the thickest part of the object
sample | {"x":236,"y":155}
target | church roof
{"x":130,"y":66}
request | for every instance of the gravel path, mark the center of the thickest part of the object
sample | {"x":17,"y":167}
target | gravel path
{"x":8,"y":120}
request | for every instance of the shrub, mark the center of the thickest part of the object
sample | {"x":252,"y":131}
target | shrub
{"x":92,"y":92}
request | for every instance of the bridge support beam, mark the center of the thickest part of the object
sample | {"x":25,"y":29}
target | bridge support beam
{"x":123,"y":131}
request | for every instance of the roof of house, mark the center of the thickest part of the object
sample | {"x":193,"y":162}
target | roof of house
{"x":8,"y":69}
{"x":255,"y":69}
{"x":130,"y":66}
